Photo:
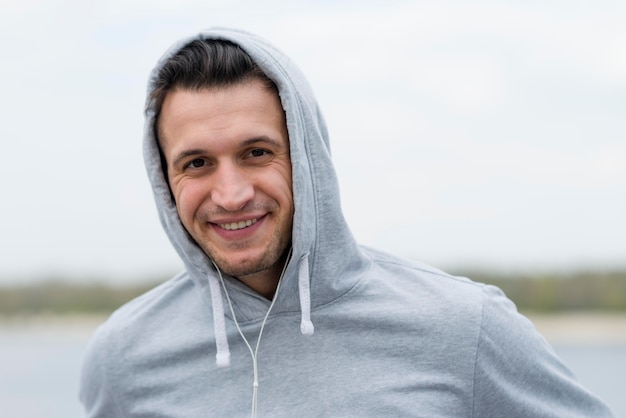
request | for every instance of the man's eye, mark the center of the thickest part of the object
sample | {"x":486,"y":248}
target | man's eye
{"x":197,"y":163}
{"x":258,"y":152}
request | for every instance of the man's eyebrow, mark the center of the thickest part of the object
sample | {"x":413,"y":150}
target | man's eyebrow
{"x":257,"y":139}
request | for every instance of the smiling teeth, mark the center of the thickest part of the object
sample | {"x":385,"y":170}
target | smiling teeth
{"x":233,"y":226}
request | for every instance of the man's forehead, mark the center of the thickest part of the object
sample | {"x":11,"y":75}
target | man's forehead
{"x":243,"y":111}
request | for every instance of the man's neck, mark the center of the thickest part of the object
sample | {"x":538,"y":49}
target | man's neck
{"x":266,"y":281}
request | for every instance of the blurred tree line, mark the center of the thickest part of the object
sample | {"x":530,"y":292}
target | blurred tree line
{"x":583,"y":291}
{"x":59,"y":297}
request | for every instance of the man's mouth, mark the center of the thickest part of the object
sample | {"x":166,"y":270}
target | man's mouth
{"x":233,"y":226}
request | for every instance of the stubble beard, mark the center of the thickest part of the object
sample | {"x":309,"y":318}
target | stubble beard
{"x":272,"y":259}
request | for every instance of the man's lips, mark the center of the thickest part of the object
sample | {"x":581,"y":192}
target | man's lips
{"x":233,"y":226}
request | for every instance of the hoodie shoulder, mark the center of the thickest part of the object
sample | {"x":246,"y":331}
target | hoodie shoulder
{"x":157,"y":296}
{"x":416,"y":293}
{"x":518,"y":371}
{"x":419,"y":274}
{"x":105,"y":361}
{"x":514,"y":371}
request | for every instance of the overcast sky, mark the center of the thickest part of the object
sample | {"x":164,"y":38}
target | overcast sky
{"x":465,"y":133}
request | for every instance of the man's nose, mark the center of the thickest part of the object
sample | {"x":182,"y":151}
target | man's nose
{"x":232,"y":188}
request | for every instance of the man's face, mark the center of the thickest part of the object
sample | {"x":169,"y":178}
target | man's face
{"x":227,"y":153}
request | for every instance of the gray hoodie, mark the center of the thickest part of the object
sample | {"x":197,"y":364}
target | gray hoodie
{"x":351,"y":332}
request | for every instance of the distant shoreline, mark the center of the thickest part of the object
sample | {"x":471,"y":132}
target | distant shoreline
{"x":72,"y":327}
{"x":589,"y":328}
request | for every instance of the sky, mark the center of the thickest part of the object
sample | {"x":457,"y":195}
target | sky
{"x":466,"y":134}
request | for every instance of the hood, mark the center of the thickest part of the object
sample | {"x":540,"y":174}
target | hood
{"x":323,"y":248}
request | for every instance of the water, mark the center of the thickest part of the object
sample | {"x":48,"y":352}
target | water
{"x":601,"y":369}
{"x":40,"y":366}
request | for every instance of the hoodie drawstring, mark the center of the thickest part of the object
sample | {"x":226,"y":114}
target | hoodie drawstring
{"x":304,"y":288}
{"x":222,"y":357}
{"x":219,"y":323}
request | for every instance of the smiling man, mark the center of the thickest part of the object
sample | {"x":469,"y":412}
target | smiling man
{"x":279,"y":312}
{"x":227,"y":154}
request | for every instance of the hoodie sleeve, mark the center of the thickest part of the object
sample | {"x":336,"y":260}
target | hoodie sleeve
{"x":96,"y":393}
{"x":518,"y":374}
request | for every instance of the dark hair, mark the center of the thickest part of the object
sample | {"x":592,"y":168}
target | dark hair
{"x":202,"y":64}
{"x":205,"y":64}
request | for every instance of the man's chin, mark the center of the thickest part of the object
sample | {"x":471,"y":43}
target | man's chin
{"x":242,"y":268}
{"x":243,"y":272}
{"x":247,"y":268}
{"x":251,"y":260}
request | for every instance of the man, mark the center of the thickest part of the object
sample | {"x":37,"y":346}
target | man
{"x":238,"y":156}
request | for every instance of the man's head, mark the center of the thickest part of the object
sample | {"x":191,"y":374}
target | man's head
{"x":225,"y":147}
